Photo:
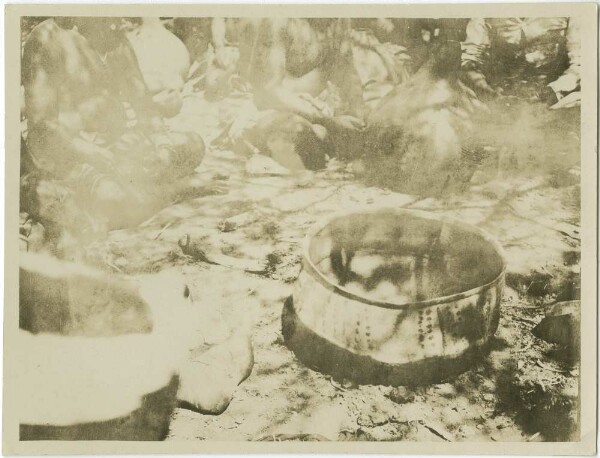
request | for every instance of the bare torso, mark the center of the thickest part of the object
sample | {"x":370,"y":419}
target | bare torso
{"x":303,"y":52}
{"x":67,"y":81}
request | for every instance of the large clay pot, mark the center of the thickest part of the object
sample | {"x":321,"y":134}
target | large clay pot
{"x":394,"y":296}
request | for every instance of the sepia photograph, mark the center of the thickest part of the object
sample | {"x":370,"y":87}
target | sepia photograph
{"x":267,"y":226}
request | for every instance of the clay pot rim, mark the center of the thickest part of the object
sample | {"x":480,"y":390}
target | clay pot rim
{"x":308,"y":264}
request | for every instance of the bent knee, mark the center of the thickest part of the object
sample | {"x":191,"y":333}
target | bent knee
{"x":292,"y":139}
{"x":169,"y":102}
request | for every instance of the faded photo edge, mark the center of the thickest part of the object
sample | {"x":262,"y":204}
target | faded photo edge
{"x":589,"y":184}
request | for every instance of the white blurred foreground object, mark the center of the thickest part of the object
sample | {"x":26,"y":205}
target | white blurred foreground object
{"x":96,"y":349}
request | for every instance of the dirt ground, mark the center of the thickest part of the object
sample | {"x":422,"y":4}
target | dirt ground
{"x":521,"y":391}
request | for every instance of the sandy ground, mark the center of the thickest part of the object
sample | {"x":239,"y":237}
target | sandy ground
{"x":518,"y":392}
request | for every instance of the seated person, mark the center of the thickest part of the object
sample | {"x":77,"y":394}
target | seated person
{"x":416,"y":35}
{"x":500,"y":50}
{"x":88,"y":163}
{"x":164,"y":62}
{"x":195,"y":33}
{"x":380,"y":66}
{"x":110,"y":358}
{"x":212,"y":45}
{"x":305,"y":87}
{"x":567,"y":88}
{"x":423,"y":128}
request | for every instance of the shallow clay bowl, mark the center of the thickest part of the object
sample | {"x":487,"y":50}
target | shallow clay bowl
{"x":394,"y":296}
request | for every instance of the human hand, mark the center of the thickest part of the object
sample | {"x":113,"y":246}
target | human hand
{"x":315,"y":107}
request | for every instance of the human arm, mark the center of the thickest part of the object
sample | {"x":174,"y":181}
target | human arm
{"x":266,"y":71}
{"x":218,"y":31}
{"x":129,"y":84}
{"x":276,"y":89}
{"x":225,"y":55}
